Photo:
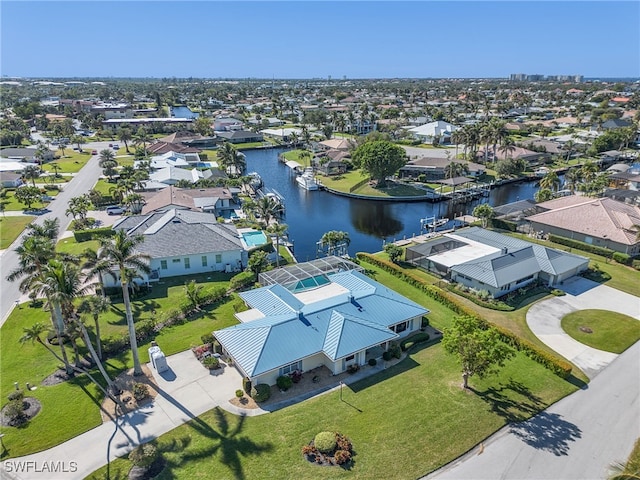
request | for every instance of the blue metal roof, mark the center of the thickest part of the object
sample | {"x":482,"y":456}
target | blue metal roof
{"x":336,"y":327}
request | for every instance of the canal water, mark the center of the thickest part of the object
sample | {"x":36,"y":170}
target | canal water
{"x":310,"y":214}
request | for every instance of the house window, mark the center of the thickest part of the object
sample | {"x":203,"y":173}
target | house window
{"x":401,"y":327}
{"x":163,"y":264}
{"x":218,"y":258}
{"x":349,"y":358}
{"x":187,"y":263}
{"x":292,"y":367}
{"x":176,"y":260}
{"x":525,"y":279}
{"x":204,"y":260}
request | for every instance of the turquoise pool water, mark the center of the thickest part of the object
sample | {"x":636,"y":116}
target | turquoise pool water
{"x":254,"y":239}
{"x":312,"y":282}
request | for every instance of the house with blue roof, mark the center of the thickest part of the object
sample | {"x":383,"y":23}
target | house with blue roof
{"x":335,"y":324}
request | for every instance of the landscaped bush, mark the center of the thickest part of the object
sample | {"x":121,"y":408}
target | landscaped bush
{"x":261,"y":392}
{"x":407,"y":343}
{"x":284,"y":382}
{"x":14,"y":411}
{"x":353,"y":368}
{"x":211,"y":362}
{"x":239,"y":393}
{"x":425,"y":322}
{"x":242,"y":280}
{"x":207,"y":338}
{"x":93,"y":234}
{"x":140,"y":391}
{"x":145,"y":330}
{"x":503,"y":224}
{"x":325,"y":442}
{"x":474,"y":297}
{"x":386,"y":355}
{"x":622,"y":258}
{"x":557,"y":365}
{"x":373,"y":362}
{"x":342,"y":456}
{"x":636,"y":264}
{"x":558,"y":293}
{"x":395,"y":350}
{"x":114,"y":345}
{"x":143,"y":455}
{"x":16,"y":395}
{"x":246,"y":385}
{"x":605,"y":252}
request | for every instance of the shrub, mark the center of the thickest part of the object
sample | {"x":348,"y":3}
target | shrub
{"x":343,"y":442}
{"x":14,"y":410}
{"x":143,"y":455}
{"x":373,"y":362}
{"x":284,"y":382}
{"x":622,"y":258}
{"x":353,"y":368}
{"x":557,"y":292}
{"x":342,"y":456}
{"x":115,"y":345}
{"x":93,"y":234}
{"x":16,"y":395}
{"x":636,"y":264}
{"x":325,"y":442}
{"x":211,"y":362}
{"x":140,"y":391}
{"x":246,"y":385}
{"x":242,"y":280}
{"x":386,"y":355}
{"x":425,"y":322}
{"x":261,"y":392}
{"x":309,"y":450}
{"x":407,"y":343}
{"x":207,"y":338}
{"x":239,"y":393}
{"x":605,"y":252}
{"x":145,"y":330}
{"x":296,"y":376}
{"x":395,"y":350}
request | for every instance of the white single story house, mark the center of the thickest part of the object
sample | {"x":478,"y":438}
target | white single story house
{"x":337,"y":322}
{"x":428,"y":132}
{"x":183,"y":242}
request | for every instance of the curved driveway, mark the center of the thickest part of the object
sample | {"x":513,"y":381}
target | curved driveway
{"x":543,"y":318}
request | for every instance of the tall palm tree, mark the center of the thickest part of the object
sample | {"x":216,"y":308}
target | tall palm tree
{"x":95,"y":305}
{"x":106,"y":155}
{"x":550,"y":181}
{"x":50,"y":229}
{"x":337,"y":242}
{"x":507,"y":147}
{"x":117,"y":256}
{"x":230,"y":160}
{"x":268,"y":208}
{"x":31,"y":172}
{"x":124,"y":135}
{"x":572,"y":178}
{"x":33,"y":254}
{"x":277,"y":229}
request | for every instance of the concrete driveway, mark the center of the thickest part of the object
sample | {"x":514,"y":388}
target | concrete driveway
{"x":544,"y":320}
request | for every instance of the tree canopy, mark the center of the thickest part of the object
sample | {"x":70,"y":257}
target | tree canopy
{"x":477,"y":348}
{"x":380,"y":159}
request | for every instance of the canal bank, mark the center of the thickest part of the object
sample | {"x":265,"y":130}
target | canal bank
{"x":310,"y":214}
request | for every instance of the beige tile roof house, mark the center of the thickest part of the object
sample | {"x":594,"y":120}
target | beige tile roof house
{"x":598,"y":221}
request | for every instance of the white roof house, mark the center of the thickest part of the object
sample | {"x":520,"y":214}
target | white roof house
{"x":439,"y":129}
{"x":172,"y":175}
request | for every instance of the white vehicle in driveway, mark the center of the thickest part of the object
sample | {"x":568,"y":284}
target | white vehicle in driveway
{"x":115,"y":210}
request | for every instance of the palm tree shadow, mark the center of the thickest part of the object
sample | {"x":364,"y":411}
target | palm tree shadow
{"x":227,"y":440}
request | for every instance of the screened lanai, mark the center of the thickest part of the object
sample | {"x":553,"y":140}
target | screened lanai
{"x":302,"y":276}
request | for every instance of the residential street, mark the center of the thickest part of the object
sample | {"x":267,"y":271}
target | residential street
{"x":81,"y":183}
{"x":577,"y":438}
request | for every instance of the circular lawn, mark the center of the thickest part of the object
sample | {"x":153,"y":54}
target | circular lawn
{"x":602,"y":329}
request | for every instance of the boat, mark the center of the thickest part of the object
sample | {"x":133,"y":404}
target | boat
{"x":307,"y":180}
{"x":256,"y":180}
{"x":431,"y":223}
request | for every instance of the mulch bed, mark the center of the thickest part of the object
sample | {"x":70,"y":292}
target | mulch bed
{"x":32,"y":408}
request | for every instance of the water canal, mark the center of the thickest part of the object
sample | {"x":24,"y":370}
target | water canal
{"x":310,"y":214}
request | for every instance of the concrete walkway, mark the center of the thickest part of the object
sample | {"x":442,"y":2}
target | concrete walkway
{"x":544,"y":319}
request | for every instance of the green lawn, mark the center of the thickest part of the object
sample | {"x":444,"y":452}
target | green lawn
{"x":404,"y":422}
{"x":11,"y":227}
{"x":344,"y":182}
{"x":609,"y":331}
{"x":103,"y":186}
{"x":72,"y":161}
{"x":13,"y":205}
{"x":69,"y":245}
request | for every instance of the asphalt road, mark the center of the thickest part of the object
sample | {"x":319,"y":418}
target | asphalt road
{"x":81,"y":183}
{"x":577,"y":438}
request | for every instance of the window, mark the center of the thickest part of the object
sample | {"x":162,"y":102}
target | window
{"x":525,"y":279}
{"x":401,"y":327}
{"x":349,"y":358}
{"x":204,"y":260}
{"x":163,"y":264}
{"x":187,"y":263}
{"x":218,"y":258}
{"x":292,"y":367}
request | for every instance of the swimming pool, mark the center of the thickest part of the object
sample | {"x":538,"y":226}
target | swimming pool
{"x":305,"y":284}
{"x":254,"y":238}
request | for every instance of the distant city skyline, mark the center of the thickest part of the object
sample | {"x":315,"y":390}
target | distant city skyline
{"x":298,"y":40}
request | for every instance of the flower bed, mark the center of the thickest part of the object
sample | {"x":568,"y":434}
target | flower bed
{"x":329,"y":449}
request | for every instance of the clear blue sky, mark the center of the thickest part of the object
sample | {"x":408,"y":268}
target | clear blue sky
{"x":302,"y":39}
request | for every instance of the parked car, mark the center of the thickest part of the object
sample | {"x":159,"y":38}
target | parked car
{"x":115,"y":210}
{"x":94,"y":152}
{"x":116,"y":146}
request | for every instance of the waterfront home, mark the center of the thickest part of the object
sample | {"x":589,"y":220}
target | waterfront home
{"x":335,"y":319}
{"x":499,"y":264}
{"x":183,"y":242}
{"x":603,"y":222}
{"x":216,"y":200}
{"x":435,"y":168}
{"x":439,"y":130}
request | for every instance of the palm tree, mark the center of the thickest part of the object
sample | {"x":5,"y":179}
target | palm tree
{"x":41,"y":152}
{"x":550,"y":182}
{"x":277,"y":229}
{"x":336,"y":242}
{"x":572,"y":178}
{"x":106,"y":155}
{"x":50,"y":229}
{"x":33,"y":254}
{"x":588,"y":171}
{"x":124,"y":135}
{"x":268,"y":207}
{"x":135,"y":202}
{"x":507,"y":147}
{"x":142,"y":137}
{"x":31,"y":172}
{"x":456,"y":169}
{"x":117,"y":256}
{"x":95,"y":305}
{"x":230,"y":160}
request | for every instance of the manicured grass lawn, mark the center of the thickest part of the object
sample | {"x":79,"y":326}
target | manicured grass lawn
{"x":72,"y":162}
{"x":69,"y":245}
{"x":244,"y":146}
{"x":295,"y":156}
{"x":11,"y":227}
{"x":103,"y":186}
{"x":344,"y":182}
{"x":404,"y":422}
{"x":610,"y":331}
{"x":13,"y":205}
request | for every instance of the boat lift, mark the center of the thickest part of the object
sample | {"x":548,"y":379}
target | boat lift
{"x":431,"y":223}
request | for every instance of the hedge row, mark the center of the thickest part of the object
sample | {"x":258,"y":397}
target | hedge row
{"x":93,"y":234}
{"x":500,"y":306}
{"x":353,"y":188}
{"x":557,"y":365}
{"x":585,"y":247}
{"x":504,"y":224}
